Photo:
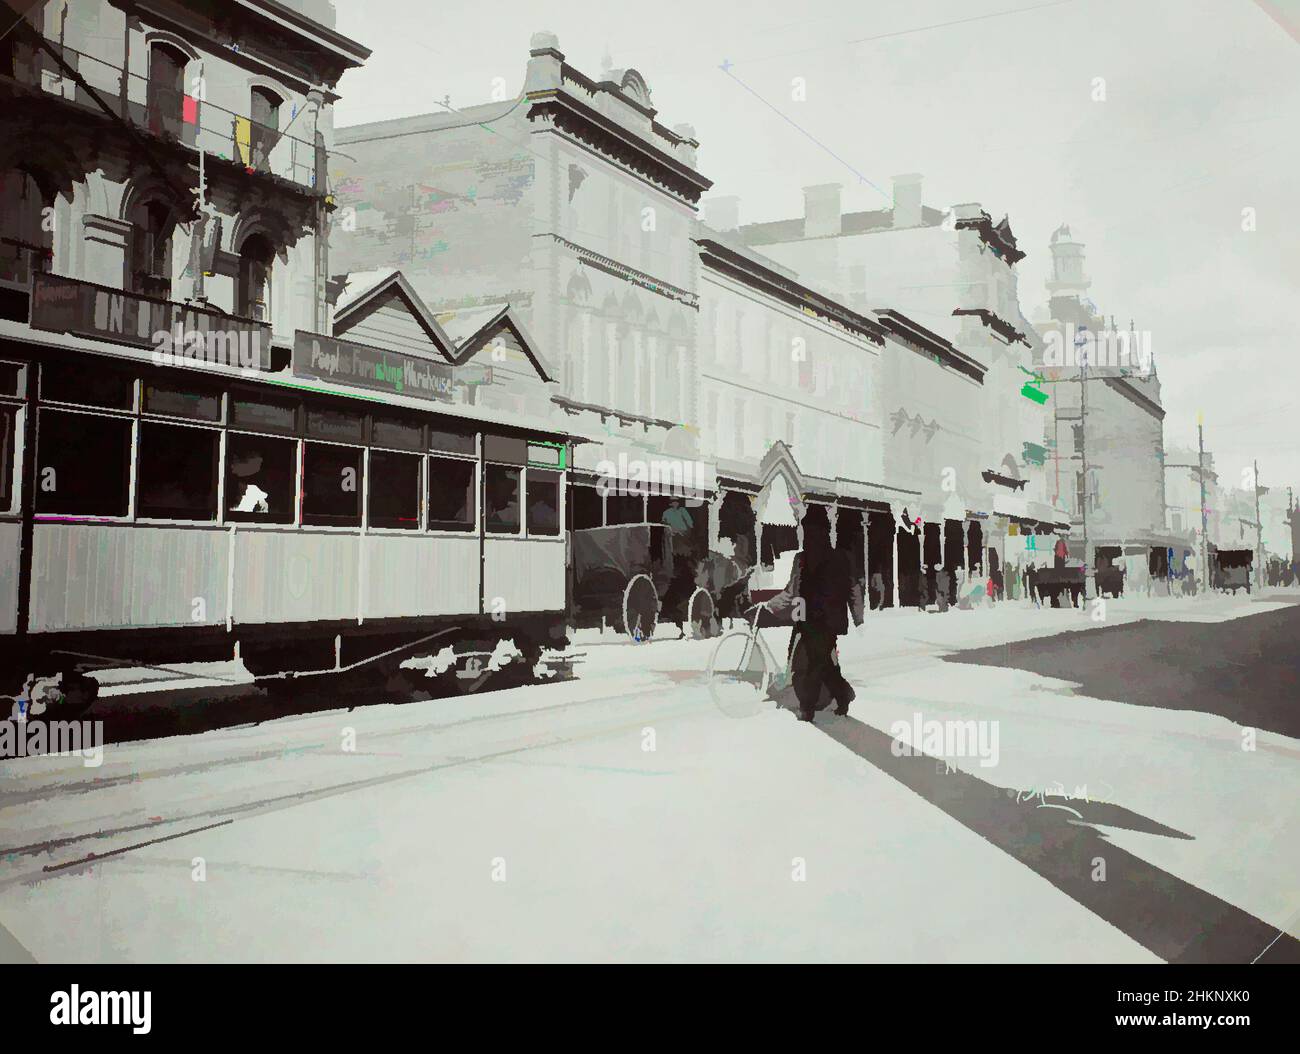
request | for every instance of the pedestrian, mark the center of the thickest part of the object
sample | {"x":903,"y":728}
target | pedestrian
{"x":679,"y":521}
{"x":681,"y":587}
{"x":824,"y":592}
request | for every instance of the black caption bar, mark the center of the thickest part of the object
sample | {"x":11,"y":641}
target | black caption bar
{"x":336,"y":1003}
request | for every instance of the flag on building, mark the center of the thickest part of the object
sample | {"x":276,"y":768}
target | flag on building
{"x":244,"y":140}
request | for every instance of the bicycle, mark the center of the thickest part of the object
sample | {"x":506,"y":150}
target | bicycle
{"x":744,"y":674}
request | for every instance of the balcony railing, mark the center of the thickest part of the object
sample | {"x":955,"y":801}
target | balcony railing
{"x":175,"y":115}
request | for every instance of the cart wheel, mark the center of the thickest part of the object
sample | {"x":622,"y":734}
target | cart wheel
{"x":640,"y":608}
{"x":702,"y":613}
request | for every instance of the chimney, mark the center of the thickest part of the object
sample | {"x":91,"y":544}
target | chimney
{"x":907,"y":200}
{"x":723,"y":212}
{"x":821,"y":210}
{"x":545,"y":62}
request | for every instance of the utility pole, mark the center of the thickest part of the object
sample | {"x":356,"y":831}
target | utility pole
{"x":1200,"y":471}
{"x":1259,"y":535}
{"x":1083,"y":457}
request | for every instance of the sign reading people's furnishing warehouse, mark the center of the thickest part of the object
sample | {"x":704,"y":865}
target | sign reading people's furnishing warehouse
{"x":329,"y":359}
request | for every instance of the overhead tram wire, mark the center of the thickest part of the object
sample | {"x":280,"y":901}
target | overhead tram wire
{"x":914,"y":29}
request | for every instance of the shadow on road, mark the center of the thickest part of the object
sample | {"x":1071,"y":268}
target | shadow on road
{"x":1246,"y":669}
{"x":1171,"y":918}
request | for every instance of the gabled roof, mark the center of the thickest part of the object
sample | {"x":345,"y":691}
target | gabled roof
{"x":457,"y":335}
{"x":492,"y":323}
{"x":368,"y":291}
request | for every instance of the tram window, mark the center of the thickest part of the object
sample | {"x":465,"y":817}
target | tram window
{"x":624,"y":508}
{"x":263,"y":414}
{"x":175,"y":400}
{"x":8,"y":441}
{"x":453,"y":442}
{"x":403,"y":435}
{"x":543,"y":492}
{"x":336,"y":424}
{"x":331,"y":485}
{"x":451,"y":495}
{"x":394,"y":490}
{"x":177,"y":477}
{"x":545,"y":454}
{"x":260,"y":474}
{"x":505,"y":448}
{"x":13,"y":377}
{"x":83,"y":465}
{"x":588,"y":510}
{"x":65,"y":382}
{"x":501,"y":499}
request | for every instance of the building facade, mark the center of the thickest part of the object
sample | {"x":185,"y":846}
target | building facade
{"x":1107,"y":429}
{"x":789,"y":390}
{"x":168,"y":242}
{"x":575,"y":206}
{"x":961,"y":428}
{"x":115,"y":200}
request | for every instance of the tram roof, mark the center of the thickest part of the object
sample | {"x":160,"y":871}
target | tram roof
{"x":20,"y":334}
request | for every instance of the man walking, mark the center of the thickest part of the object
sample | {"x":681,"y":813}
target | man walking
{"x":823,"y":592}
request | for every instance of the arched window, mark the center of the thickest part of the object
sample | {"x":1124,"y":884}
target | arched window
{"x":265,"y":130}
{"x":166,"y":89}
{"x":26,"y":240}
{"x":253,"y":299}
{"x":152,"y":223}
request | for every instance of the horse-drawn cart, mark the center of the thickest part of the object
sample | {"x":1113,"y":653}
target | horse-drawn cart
{"x":631,"y":577}
{"x":1231,"y":569}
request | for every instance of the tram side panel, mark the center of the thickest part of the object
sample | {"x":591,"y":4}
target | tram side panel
{"x":114,"y":576}
{"x":10,"y":558}
{"x":406,"y":576}
{"x":94,"y":579}
{"x":523,"y":576}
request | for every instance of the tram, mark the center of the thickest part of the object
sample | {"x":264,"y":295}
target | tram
{"x":198,"y":511}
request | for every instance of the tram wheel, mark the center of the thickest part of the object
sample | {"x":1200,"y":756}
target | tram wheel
{"x":79,"y":695}
{"x":640,"y":608}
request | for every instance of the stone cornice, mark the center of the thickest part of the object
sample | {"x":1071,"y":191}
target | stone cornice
{"x":727,"y":261}
{"x":586,"y":124}
{"x":629,"y":274}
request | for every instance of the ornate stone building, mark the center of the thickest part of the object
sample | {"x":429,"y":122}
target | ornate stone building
{"x":573,"y":204}
{"x":1107,"y":462}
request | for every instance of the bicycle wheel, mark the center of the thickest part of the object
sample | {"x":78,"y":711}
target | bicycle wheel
{"x":739,"y":675}
{"x":703,"y":618}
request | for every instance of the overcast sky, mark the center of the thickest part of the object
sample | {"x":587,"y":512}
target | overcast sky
{"x":1201,"y":119}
